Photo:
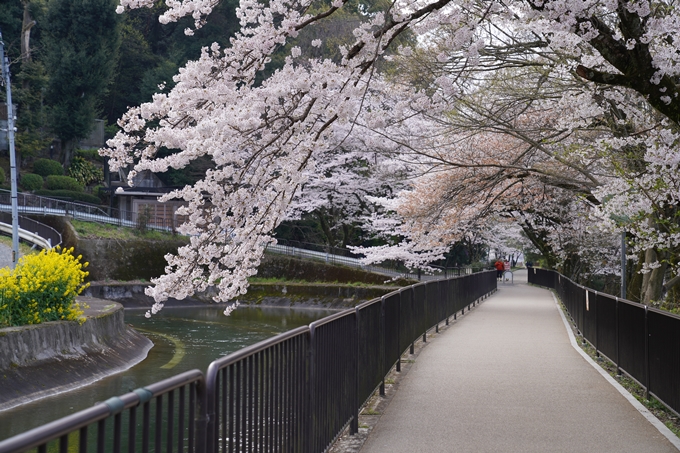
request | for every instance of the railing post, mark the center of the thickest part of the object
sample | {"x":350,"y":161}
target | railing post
{"x":399,"y":335}
{"x":597,"y":329}
{"x":646,"y":353}
{"x":618,"y":360}
{"x":383,"y":349}
{"x":354,"y":424}
{"x":204,"y":438}
{"x":210,"y":428}
{"x":308,"y":445}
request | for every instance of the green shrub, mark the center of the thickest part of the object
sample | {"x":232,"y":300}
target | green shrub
{"x":47,"y":167}
{"x":89,"y":154}
{"x":31,"y":182}
{"x":55,"y":182}
{"x":2,"y":175}
{"x":69,"y":195}
{"x":85,"y":172}
{"x":100,"y":191}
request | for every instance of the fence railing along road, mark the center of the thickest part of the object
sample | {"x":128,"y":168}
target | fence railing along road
{"x":37,"y":205}
{"x":295,"y":392}
{"x":336,"y":255}
{"x":643,"y":342}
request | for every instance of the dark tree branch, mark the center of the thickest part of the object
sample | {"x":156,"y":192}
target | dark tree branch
{"x":603,"y":77}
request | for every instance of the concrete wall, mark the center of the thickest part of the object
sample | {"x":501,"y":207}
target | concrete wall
{"x":43,"y":359}
{"x":290,"y":268}
{"x":323,"y":295}
{"x":114,"y":259}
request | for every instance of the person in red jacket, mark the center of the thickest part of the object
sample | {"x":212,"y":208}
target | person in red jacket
{"x":500,"y":267}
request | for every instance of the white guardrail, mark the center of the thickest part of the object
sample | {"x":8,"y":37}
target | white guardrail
{"x":27,"y":236}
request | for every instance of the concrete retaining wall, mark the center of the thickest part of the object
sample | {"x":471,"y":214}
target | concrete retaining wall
{"x":44,"y":359}
{"x":322,"y":295}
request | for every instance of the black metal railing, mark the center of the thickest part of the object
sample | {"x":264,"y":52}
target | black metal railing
{"x":295,"y":392}
{"x":168,"y":416}
{"x":643,"y":342}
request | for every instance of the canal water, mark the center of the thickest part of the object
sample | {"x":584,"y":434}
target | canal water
{"x":184,"y":339}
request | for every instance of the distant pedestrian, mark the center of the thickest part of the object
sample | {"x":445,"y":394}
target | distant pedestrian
{"x":500,"y":267}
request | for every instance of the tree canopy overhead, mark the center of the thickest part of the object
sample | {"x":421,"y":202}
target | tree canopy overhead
{"x":560,"y":115}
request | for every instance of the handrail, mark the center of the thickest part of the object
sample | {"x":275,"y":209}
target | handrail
{"x":39,"y":436}
{"x":640,"y":341}
{"x":250,"y":350}
{"x":334,"y":255}
{"x":27,"y":236}
{"x":38,"y":205}
{"x":296,"y":391}
{"x":32,"y":231}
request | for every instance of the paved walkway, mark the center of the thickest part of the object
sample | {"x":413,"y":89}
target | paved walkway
{"x":5,"y":256}
{"x":506,"y":378}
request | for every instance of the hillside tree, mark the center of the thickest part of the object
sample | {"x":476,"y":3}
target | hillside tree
{"x":81,"y":40}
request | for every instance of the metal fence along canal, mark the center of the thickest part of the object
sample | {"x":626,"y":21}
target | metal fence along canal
{"x":643,"y":342}
{"x":295,"y":392}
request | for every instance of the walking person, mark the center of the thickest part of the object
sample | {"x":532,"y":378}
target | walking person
{"x":500,"y":267}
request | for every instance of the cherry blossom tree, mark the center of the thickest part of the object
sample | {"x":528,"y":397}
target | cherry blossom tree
{"x":336,"y":190}
{"x":611,"y":67}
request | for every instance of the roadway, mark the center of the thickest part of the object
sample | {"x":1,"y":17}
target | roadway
{"x":507,"y":377}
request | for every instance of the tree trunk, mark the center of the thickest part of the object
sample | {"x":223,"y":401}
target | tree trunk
{"x":323,"y":223}
{"x":26,"y":26}
{"x":541,"y":244}
{"x":68,"y":148}
{"x":634,"y":279}
{"x":652,"y":282}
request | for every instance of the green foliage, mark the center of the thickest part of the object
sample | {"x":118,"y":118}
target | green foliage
{"x":81,"y":51}
{"x":10,"y":25}
{"x":2,"y":175}
{"x":135,"y":60}
{"x":30,"y":85}
{"x":89,"y":154}
{"x":70,"y":196}
{"x":84,"y":172}
{"x":110,"y":130}
{"x":55,"y":182}
{"x":30,"y":143}
{"x":151,"y":52}
{"x":42,"y":288}
{"x":94,"y":230}
{"x":100,"y":192}
{"x":47,"y":167}
{"x":31,"y":182}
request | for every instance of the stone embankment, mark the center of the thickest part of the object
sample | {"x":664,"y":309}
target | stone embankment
{"x":44,"y":359}
{"x":290,"y":295}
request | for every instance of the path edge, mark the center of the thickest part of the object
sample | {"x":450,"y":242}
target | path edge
{"x":651,"y":418}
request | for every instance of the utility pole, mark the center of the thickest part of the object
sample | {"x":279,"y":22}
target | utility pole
{"x":12,"y":153}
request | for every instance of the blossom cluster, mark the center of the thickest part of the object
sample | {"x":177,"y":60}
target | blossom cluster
{"x":527,"y":110}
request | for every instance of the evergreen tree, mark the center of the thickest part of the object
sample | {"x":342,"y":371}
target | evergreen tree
{"x":82,"y":41}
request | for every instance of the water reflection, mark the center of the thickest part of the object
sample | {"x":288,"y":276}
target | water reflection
{"x":184,"y":339}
